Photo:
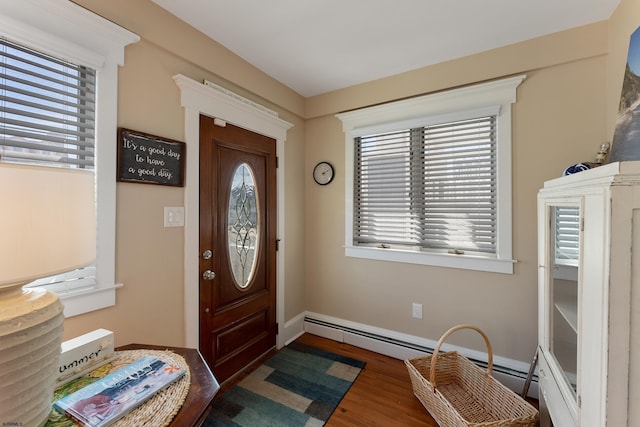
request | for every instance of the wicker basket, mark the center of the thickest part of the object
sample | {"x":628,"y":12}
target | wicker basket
{"x":458,"y":393}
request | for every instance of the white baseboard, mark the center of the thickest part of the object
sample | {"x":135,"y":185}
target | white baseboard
{"x":512,"y":373}
{"x":291,"y":330}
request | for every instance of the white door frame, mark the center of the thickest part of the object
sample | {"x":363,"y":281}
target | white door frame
{"x":217,"y":102}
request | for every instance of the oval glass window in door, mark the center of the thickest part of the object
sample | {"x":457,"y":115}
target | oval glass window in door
{"x":243,"y":227}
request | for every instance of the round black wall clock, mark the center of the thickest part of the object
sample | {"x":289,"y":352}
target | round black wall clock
{"x":323,"y":173}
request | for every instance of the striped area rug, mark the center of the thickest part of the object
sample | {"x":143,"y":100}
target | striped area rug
{"x":299,"y":386}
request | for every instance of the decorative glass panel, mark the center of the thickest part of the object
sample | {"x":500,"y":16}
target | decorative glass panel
{"x":243,"y":225}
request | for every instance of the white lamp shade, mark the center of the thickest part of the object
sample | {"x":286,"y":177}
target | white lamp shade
{"x":48,"y":227}
{"x":48,"y":221}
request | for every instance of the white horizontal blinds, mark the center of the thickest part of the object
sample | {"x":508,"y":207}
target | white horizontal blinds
{"x":385,"y":211}
{"x":72,"y":281}
{"x":47,"y":118}
{"x":432,"y":187}
{"x":567,"y":235}
{"x":460,"y":185}
{"x":47,"y":109}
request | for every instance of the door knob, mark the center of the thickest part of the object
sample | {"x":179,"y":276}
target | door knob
{"x":207,"y":254}
{"x":208,"y":275}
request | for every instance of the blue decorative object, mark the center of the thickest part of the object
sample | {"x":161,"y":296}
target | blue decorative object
{"x":578,"y":167}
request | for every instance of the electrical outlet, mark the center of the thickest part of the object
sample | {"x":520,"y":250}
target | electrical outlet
{"x":417,"y":310}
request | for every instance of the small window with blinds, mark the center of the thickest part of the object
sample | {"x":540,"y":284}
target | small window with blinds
{"x":567,"y":235}
{"x":430,"y":188}
{"x":47,"y":118}
{"x":47,"y":109}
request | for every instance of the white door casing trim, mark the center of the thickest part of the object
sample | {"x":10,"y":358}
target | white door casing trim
{"x":198,"y":98}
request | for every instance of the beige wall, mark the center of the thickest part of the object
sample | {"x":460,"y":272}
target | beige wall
{"x":559,"y":119}
{"x":149,"y":257}
{"x":565,"y":109}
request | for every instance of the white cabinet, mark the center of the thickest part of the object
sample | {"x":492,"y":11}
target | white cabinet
{"x":589,"y":297}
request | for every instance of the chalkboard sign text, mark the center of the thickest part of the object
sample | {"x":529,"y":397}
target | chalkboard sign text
{"x":150,"y":159}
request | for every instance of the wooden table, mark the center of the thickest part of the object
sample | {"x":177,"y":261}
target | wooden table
{"x":203,"y":388}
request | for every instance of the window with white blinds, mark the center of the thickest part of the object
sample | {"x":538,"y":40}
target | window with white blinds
{"x":47,"y":118}
{"x":54,"y":111}
{"x":567,"y":235}
{"x":428,"y":179}
{"x":430,"y":187}
{"x":47,"y":109}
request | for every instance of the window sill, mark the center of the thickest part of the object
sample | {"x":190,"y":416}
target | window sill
{"x":465,"y":262}
{"x":81,"y":302}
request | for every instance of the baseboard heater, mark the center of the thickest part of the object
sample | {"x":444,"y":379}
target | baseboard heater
{"x":512,"y":378}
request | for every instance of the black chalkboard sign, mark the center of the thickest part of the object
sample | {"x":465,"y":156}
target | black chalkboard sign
{"x":149,"y":159}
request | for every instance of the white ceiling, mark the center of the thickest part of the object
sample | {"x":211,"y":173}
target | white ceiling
{"x":316,"y":46}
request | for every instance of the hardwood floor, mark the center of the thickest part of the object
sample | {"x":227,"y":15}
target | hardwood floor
{"x":382,"y":394}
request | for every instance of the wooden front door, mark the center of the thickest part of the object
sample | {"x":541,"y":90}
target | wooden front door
{"x":237,"y":246}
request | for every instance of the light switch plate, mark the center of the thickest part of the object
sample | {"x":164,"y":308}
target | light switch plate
{"x":416,"y":310}
{"x":174,"y":217}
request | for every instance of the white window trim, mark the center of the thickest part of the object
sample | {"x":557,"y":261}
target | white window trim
{"x":450,"y":105}
{"x":66,"y":30}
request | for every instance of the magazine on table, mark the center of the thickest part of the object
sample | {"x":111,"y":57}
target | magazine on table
{"x":110,"y":398}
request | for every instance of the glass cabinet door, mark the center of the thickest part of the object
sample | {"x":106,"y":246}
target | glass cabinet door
{"x":564,"y":263}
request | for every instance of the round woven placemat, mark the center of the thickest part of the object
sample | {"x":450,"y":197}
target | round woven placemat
{"x":160,"y":409}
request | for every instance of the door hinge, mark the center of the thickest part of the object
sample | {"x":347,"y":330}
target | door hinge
{"x":277,"y":245}
{"x":277,"y":329}
{"x":277,"y":162}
